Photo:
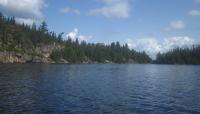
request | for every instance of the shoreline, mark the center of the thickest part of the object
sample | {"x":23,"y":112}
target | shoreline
{"x":97,"y":64}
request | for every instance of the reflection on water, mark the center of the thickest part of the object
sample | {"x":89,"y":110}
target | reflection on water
{"x":98,"y":89}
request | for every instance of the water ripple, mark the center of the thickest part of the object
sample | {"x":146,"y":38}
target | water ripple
{"x":99,"y":89}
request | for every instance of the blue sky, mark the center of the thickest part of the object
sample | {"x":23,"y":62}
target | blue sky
{"x":149,"y":25}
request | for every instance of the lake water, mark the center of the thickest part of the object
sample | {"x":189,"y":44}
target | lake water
{"x":99,"y":89}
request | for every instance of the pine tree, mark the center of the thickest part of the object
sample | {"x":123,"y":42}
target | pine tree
{"x":43,"y":27}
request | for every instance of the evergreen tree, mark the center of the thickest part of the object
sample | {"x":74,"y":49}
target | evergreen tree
{"x":25,"y":39}
{"x":180,"y":56}
{"x":43,"y":27}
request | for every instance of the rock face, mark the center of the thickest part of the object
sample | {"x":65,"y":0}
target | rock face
{"x":46,"y":50}
{"x":62,"y":61}
{"x":13,"y":57}
{"x":41,"y":54}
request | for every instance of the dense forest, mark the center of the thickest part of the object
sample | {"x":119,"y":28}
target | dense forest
{"x":23,"y":41}
{"x":180,"y":56}
{"x":77,"y":52}
{"x":20,"y":37}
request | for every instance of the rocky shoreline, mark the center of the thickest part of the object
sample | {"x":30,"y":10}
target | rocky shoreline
{"x":14,"y":57}
{"x":40,"y":54}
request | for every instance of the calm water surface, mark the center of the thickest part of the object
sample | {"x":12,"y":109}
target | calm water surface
{"x":99,"y":89}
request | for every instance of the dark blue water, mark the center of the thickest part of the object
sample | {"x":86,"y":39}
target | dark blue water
{"x":99,"y":89}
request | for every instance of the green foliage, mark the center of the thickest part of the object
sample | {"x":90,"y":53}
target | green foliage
{"x":76,"y":52}
{"x":56,"y":56}
{"x":23,"y":38}
{"x":180,"y":56}
{"x":13,"y":35}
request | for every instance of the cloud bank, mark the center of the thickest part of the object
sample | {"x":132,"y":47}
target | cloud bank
{"x":113,"y":8}
{"x":23,"y":10}
{"x":152,"y":46}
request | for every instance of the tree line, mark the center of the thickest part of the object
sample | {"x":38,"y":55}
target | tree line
{"x":22,"y":38}
{"x":188,"y":55}
{"x":76,"y":51}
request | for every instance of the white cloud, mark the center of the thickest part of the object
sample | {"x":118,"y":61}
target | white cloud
{"x":194,"y":12}
{"x":173,"y":42}
{"x":153,"y":46}
{"x":23,"y":9}
{"x":84,"y":38}
{"x":197,"y":1}
{"x":130,"y":43}
{"x":70,"y":10}
{"x":75,"y":35}
{"x":25,"y":21}
{"x":176,"y":25}
{"x":113,"y":8}
{"x":72,"y":35}
{"x":149,"y":45}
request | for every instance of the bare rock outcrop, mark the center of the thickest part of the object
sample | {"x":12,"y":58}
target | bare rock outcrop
{"x":41,"y":54}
